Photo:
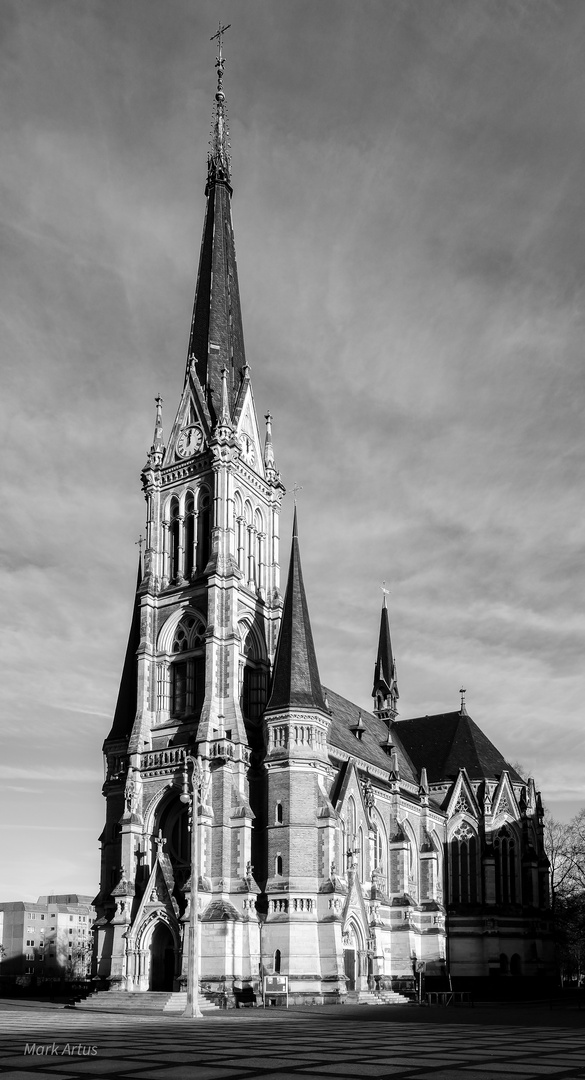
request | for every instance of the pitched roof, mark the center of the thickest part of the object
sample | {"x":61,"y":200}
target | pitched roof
{"x":125,"y":711}
{"x":448,"y":742}
{"x":295,"y":680}
{"x":344,"y":717}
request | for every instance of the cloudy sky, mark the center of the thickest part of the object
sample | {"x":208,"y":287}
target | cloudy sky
{"x":409,"y":213}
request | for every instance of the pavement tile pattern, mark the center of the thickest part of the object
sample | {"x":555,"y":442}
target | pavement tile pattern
{"x":295,"y":1046}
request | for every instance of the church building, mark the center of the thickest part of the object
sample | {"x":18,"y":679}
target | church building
{"x":343,"y":849}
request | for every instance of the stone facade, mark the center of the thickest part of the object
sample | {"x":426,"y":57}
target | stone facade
{"x":337,"y":847}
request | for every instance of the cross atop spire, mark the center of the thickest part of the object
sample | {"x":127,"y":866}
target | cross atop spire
{"x":219,"y":161}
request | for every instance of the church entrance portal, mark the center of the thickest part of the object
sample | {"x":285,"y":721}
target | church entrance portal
{"x":354,"y":959}
{"x":162,"y":959}
{"x":349,"y":959}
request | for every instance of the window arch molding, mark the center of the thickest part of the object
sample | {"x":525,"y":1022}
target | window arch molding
{"x":168,"y":630}
{"x":253,"y":644}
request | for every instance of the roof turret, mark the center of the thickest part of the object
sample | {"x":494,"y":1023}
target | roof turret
{"x":295,"y":681}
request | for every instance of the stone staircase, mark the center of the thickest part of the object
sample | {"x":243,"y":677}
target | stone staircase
{"x":369,"y":997}
{"x":152,"y":1001}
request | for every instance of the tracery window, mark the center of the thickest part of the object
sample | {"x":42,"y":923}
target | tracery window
{"x":187,"y":670}
{"x":189,"y":535}
{"x":254,"y":686}
{"x":203,"y":529}
{"x":463,"y":865}
{"x":174,"y":540}
{"x":505,"y":853}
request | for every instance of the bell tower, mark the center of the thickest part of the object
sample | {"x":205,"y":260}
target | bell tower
{"x":202,"y":643}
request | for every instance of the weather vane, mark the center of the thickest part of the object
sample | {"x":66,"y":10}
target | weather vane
{"x":463,"y":692}
{"x":296,"y":487}
{"x":138,"y":543}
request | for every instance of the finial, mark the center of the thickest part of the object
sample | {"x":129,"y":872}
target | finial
{"x":219,"y":163}
{"x":296,"y":487}
{"x":268,"y":448}
{"x":463,"y":709}
{"x":224,"y":414}
{"x":157,"y":442}
{"x":385,"y":591}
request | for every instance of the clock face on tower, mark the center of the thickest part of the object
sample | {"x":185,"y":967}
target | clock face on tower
{"x":248,"y":453}
{"x":189,"y":442}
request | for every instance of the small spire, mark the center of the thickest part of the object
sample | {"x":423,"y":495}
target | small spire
{"x":359,"y":727}
{"x":219,"y":161}
{"x":225,"y":419}
{"x":424,"y":783}
{"x":268,"y":448}
{"x":387,"y":745}
{"x":385,"y":689}
{"x":463,"y":709}
{"x":157,"y":442}
{"x":295,"y":679}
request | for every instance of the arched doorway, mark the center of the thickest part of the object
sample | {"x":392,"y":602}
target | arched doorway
{"x":162,"y":958}
{"x":354,"y":961}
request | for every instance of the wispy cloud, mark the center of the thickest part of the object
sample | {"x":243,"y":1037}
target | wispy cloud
{"x":408,"y":210}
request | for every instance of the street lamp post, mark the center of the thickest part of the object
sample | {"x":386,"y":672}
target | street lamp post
{"x":192,"y":1009}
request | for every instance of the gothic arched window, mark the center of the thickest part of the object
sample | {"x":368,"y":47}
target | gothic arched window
{"x":187,"y":669}
{"x":203,"y":529}
{"x":254,"y":679}
{"x":505,"y":852}
{"x":277,"y":962}
{"x":463,"y":865}
{"x":174,"y":540}
{"x":189,"y":535}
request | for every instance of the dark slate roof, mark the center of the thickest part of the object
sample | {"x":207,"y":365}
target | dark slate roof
{"x":385,"y":670}
{"x":448,"y":742}
{"x":295,"y":681}
{"x":125,"y":711}
{"x":344,"y":716}
{"x":217,"y":318}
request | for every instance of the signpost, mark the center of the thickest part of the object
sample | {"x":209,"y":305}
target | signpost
{"x":420,"y":968}
{"x":275,"y":986}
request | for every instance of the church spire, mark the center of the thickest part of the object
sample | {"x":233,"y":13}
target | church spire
{"x":295,"y":681}
{"x":217,"y":339}
{"x":385,"y":689}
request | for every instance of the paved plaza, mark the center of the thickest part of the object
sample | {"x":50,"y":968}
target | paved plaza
{"x":305,"y":1044}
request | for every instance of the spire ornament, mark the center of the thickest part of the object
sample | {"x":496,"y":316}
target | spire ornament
{"x":219,"y":160}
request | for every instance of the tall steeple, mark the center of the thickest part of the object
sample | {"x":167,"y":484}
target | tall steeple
{"x":296,"y":681}
{"x":217,"y":339}
{"x":385,"y":690}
